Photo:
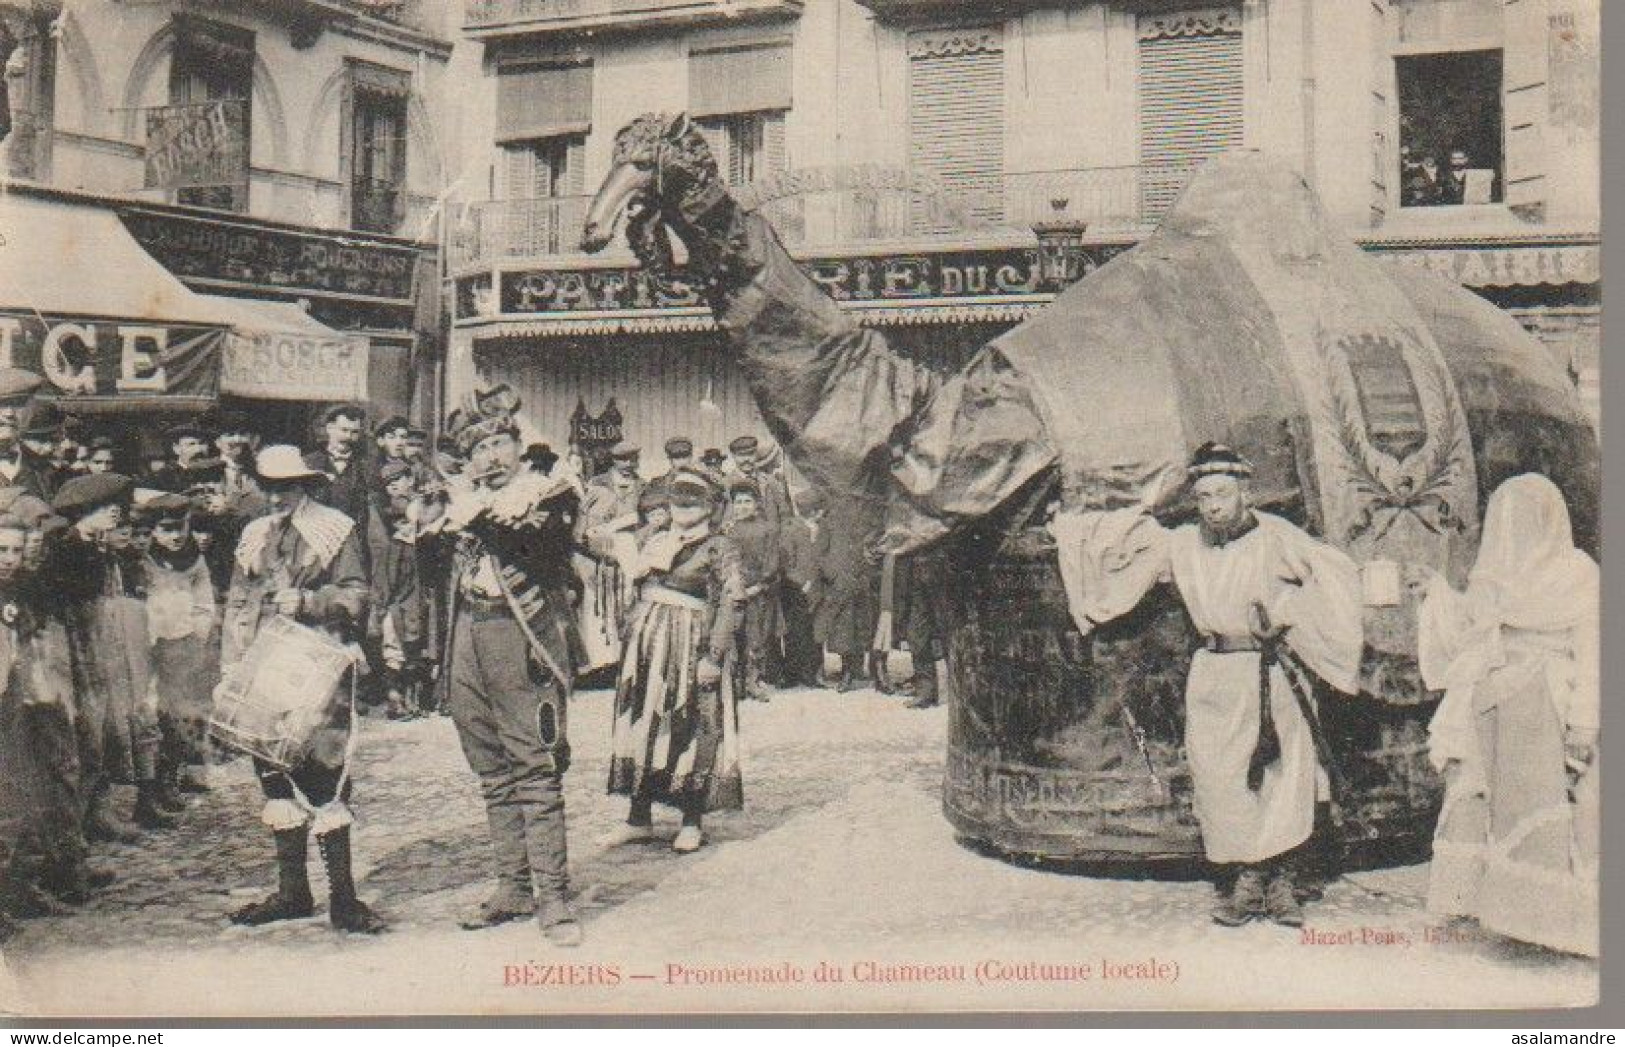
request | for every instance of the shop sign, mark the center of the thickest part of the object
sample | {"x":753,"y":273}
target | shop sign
{"x":81,"y":357}
{"x":956,"y":274}
{"x":277,"y":365}
{"x":221,"y":252}
{"x":197,"y":145}
{"x":596,"y":434}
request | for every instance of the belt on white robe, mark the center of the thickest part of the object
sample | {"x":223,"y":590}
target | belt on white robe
{"x":1220,"y":643}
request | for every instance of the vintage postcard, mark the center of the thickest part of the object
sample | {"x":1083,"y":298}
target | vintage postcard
{"x":630,"y":507}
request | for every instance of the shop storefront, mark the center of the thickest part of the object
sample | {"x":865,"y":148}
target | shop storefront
{"x":379,"y":293}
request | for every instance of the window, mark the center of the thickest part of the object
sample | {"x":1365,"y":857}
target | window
{"x":747,"y":146}
{"x":544,"y":113}
{"x":544,"y":186}
{"x":377,"y":148}
{"x":1450,"y":128}
{"x":738,"y":94}
{"x":212,"y":62}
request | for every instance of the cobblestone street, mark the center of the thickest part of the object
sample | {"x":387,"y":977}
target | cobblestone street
{"x":841,"y":856}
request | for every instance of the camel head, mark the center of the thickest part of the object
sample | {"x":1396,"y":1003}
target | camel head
{"x":661,"y":173}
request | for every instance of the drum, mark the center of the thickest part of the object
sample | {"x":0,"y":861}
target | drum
{"x":290,"y":683}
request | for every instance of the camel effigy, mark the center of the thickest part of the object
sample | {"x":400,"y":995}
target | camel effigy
{"x":1380,"y":408}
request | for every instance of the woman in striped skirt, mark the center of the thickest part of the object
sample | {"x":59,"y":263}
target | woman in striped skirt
{"x":676,"y":733}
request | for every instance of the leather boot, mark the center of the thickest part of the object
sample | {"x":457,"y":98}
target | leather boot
{"x":101,"y":825}
{"x":547,"y":847}
{"x":512,"y":898}
{"x":345,"y":911}
{"x":148,"y":812}
{"x":169,"y":786}
{"x":292,"y":900}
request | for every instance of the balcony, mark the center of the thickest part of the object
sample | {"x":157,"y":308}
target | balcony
{"x":817,"y":209}
{"x":493,"y":18}
{"x":375,"y":206}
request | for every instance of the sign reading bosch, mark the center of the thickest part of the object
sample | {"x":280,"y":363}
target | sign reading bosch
{"x":212,"y":252}
{"x":199,"y":144}
{"x":962,"y":274}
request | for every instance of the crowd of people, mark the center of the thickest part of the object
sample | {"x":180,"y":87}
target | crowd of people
{"x":128,"y":598}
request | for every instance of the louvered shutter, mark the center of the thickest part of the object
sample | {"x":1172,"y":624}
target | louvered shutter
{"x":1525,"y":106}
{"x":573,"y":181}
{"x":1384,"y":157}
{"x":956,"y":125}
{"x":1190,"y":98}
{"x":775,"y":159}
{"x":715,"y":133}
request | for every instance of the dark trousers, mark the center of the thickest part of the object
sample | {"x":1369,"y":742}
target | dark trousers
{"x":802,"y":657}
{"x":510,"y":719}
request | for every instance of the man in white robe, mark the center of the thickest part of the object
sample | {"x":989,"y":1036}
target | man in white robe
{"x":1258,"y":590}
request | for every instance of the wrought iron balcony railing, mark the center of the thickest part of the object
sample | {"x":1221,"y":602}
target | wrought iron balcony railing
{"x":844,"y":207}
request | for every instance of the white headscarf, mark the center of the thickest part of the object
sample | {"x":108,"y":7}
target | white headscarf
{"x":1528,"y":574}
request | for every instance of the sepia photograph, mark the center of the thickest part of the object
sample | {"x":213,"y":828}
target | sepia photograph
{"x":798,"y":507}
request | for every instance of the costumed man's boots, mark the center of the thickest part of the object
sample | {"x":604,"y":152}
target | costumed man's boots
{"x":344,"y":910}
{"x":101,"y":825}
{"x":1244,"y":901}
{"x":548,"y":849}
{"x":148,"y":812}
{"x":512,"y":898}
{"x":292,"y":900}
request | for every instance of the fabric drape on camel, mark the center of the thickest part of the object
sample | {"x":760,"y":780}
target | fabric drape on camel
{"x":1363,"y":394}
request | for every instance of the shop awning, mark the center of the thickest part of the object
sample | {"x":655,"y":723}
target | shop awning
{"x":111,"y":329}
{"x":60,"y":258}
{"x":277,"y":351}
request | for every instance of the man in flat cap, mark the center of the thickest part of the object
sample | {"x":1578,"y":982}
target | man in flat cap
{"x":389,"y":437}
{"x":1279,"y":615}
{"x":679,"y":458}
{"x":234,"y":498}
{"x":181,"y":613}
{"x":762,"y":564}
{"x":396,"y":631}
{"x":605,"y":531}
{"x":41,"y":440}
{"x":97,"y":575}
{"x":37,"y":713}
{"x":17,"y":388}
{"x":189,"y":464}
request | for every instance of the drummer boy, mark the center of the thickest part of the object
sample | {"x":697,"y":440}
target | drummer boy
{"x":302,"y":561}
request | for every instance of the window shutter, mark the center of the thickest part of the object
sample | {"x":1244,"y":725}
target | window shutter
{"x":575,"y":158}
{"x":543,"y":100}
{"x":956,"y":124}
{"x":715,"y":133}
{"x":1190,"y":98}
{"x":1384,"y":157}
{"x":1524,"y":105}
{"x":739,"y":78}
{"x":519,"y":163}
{"x":775,"y":159}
